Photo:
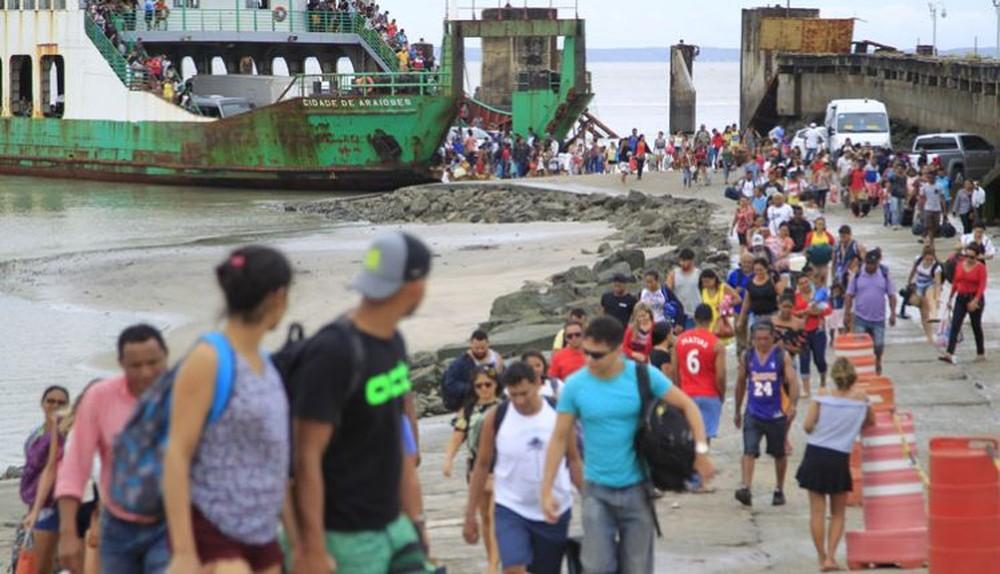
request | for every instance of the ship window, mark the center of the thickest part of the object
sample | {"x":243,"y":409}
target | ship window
{"x":279,"y":67}
{"x":187,"y":3}
{"x":28,"y":4}
{"x":20,"y":86}
{"x":53,"y":99}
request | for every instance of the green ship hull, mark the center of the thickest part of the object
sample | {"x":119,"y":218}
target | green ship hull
{"x":323,"y":143}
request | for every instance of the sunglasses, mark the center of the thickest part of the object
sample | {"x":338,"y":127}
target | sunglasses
{"x":596,"y":355}
{"x":573,"y":335}
{"x":484,"y":385}
{"x":56,"y":402}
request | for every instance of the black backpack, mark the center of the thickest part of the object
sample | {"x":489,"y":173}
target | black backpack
{"x":664,"y":443}
{"x":288,"y":359}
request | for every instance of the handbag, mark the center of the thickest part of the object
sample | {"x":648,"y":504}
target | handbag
{"x":947,"y":230}
{"x":27,"y":562}
{"x":723,"y":328}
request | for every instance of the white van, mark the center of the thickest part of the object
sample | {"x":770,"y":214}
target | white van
{"x":861,"y":121}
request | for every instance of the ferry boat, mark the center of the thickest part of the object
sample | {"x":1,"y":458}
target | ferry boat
{"x":73,"y":107}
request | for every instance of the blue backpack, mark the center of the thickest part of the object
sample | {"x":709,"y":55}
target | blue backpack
{"x":137,"y":455}
{"x":673,"y":309}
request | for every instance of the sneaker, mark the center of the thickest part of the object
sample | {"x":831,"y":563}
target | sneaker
{"x":778,"y":499}
{"x":744,"y":496}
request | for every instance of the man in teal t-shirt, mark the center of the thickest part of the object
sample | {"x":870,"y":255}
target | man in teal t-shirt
{"x":604,"y":396}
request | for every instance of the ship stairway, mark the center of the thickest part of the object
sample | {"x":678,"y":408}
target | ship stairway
{"x":492,"y":118}
{"x":134,"y":80}
{"x":588,"y":123}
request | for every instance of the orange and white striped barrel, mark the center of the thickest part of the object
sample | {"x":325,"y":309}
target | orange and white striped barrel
{"x":894,"y":513}
{"x":851,"y":345}
{"x":864,"y":365}
{"x":880,"y":391}
{"x":893,"y":489}
{"x":854,"y":497}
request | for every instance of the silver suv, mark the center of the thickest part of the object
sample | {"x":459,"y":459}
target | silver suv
{"x":962,"y":155}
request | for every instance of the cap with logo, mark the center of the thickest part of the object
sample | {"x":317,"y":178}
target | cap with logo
{"x":391,"y":261}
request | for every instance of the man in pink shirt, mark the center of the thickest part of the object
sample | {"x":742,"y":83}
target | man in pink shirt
{"x":129,"y":544}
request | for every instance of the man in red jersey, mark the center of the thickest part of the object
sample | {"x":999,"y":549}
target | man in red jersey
{"x":698,"y":364}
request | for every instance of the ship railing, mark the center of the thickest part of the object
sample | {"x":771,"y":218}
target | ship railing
{"x":32,"y":5}
{"x":183,"y":19}
{"x":368,"y":84}
{"x":509,"y":10}
{"x":133,"y":79}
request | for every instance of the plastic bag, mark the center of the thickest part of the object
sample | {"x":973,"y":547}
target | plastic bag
{"x":944,"y":329}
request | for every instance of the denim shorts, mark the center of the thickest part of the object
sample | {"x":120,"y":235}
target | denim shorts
{"x":755,"y":429}
{"x":711,"y":412}
{"x":538,"y":546}
{"x":874,"y":328}
{"x":48,"y":520}
{"x":133,"y":548}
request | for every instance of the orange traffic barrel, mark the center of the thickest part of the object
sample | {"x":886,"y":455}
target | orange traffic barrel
{"x":864,"y":365}
{"x":964,"y":505}
{"x":854,"y":497}
{"x":854,"y":345}
{"x":893,"y":489}
{"x":880,"y":391}
{"x":876,"y":548}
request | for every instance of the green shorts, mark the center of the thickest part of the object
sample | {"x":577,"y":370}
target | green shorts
{"x":395,"y":549}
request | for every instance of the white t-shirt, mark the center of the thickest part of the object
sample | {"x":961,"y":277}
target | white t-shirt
{"x":778,"y":215}
{"x":988,"y":248}
{"x":656,"y":301}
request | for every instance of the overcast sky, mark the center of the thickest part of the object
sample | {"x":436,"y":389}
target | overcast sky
{"x":716,"y":23}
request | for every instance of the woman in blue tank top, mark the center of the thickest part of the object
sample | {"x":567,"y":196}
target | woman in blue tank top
{"x":833,"y":422}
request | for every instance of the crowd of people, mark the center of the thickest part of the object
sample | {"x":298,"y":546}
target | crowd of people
{"x":796,"y":287}
{"x":256,"y":445}
{"x":503,"y":155}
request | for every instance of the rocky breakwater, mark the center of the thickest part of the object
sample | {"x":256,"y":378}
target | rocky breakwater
{"x":529,"y":318}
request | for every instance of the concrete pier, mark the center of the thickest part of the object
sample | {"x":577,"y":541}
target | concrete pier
{"x":933,"y":94}
{"x":683,"y":96}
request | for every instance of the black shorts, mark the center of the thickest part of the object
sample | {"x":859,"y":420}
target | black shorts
{"x":754,"y":429}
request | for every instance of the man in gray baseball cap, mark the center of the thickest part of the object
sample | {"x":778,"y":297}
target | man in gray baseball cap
{"x":392,"y":261}
{"x":358,"y":497}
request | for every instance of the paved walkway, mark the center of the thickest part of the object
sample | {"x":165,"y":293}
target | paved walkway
{"x":714,"y":533}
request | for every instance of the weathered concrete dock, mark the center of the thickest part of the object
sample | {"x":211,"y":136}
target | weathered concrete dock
{"x":713,"y":533}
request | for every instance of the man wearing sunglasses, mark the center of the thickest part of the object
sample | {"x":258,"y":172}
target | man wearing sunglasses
{"x":570,"y":359}
{"x":618,"y":520}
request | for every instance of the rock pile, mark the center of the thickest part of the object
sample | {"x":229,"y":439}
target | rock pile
{"x":643,"y":220}
{"x":12,"y":473}
{"x":528,"y":319}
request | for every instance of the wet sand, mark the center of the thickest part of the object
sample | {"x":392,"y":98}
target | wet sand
{"x":173,"y":287}
{"x":473,"y":265}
